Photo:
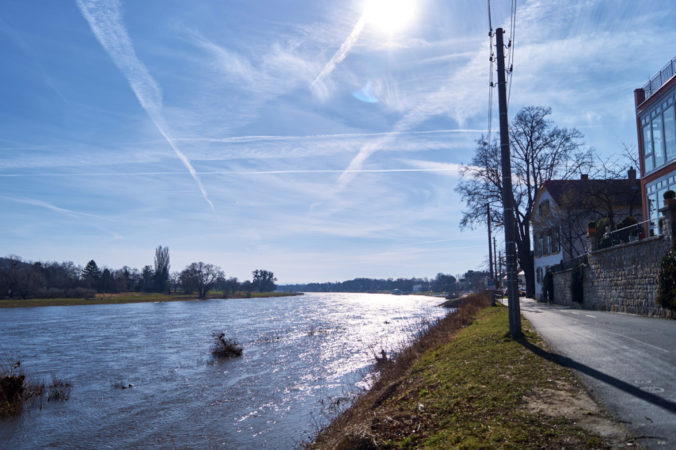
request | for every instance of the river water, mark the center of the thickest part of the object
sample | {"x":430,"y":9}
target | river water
{"x":304,"y":358}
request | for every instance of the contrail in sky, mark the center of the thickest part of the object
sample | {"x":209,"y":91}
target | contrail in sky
{"x":106,"y":22}
{"x":63,"y":211}
{"x":342,"y":51}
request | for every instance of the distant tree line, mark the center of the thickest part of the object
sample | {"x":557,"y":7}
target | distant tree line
{"x":441,"y":283}
{"x":21,"y":279}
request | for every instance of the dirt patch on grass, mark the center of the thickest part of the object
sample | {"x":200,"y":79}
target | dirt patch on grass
{"x":573,"y":402}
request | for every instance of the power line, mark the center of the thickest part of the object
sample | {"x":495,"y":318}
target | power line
{"x":490,"y":74}
{"x":511,"y":45}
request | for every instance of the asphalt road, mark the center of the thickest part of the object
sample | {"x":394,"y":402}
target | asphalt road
{"x":627,"y":362}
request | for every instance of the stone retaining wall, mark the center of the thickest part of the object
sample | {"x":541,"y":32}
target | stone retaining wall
{"x":622,"y":278}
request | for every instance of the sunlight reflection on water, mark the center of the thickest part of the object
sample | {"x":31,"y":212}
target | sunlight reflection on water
{"x":300,"y":355}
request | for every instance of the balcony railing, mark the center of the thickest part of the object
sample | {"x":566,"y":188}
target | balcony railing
{"x":620,"y":236}
{"x":660,"y":79}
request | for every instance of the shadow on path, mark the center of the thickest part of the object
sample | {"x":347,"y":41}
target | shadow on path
{"x":608,"y":379}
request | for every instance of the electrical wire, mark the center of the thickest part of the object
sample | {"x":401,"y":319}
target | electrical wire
{"x":510,"y":60}
{"x":490,"y":74}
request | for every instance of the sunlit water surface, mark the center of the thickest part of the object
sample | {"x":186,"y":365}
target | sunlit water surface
{"x":304,"y":358}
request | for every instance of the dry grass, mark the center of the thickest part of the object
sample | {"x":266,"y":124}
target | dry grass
{"x":392,"y":374}
{"x":17,"y":390}
{"x":130,"y":297}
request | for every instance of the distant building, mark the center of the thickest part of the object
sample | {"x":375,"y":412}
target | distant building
{"x":563,"y":210}
{"x":656,"y":124}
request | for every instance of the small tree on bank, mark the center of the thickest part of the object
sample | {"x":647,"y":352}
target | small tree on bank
{"x":264,"y":281}
{"x":201,"y":277}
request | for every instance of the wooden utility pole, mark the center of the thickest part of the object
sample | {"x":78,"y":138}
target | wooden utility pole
{"x":490,"y":255}
{"x":507,"y":194}
{"x":490,"y":249}
{"x":495,"y":264}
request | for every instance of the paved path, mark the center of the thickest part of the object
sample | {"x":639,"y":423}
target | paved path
{"x":627,"y":362}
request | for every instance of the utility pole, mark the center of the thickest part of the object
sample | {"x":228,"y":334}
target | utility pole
{"x":490,"y":250}
{"x":490,"y":254}
{"x":500,"y":261}
{"x":507,"y":194}
{"x":495,"y":264}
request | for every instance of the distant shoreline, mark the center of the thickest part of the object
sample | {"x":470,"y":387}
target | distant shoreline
{"x":135,"y":297}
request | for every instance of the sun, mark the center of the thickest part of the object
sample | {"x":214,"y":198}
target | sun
{"x":390,"y":16}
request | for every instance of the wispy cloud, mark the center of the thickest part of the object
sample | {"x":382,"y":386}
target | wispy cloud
{"x":449,"y":169}
{"x":23,"y":45}
{"x":63,"y":211}
{"x":274,"y":70}
{"x":457,"y":98}
{"x":106,"y":23}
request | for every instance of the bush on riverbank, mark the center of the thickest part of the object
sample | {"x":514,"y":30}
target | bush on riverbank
{"x":16,"y":389}
{"x":225,"y":347}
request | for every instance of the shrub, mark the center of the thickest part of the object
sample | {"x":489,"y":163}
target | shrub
{"x":16,"y":389}
{"x":225,"y":347}
{"x":11,"y":393}
{"x":59,"y":390}
{"x":666,"y":294}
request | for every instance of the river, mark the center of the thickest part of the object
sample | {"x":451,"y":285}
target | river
{"x":304,"y":358}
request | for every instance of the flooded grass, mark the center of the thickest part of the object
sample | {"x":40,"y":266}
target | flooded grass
{"x":18,"y":390}
{"x":224,"y":348}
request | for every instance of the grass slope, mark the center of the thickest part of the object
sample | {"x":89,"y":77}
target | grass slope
{"x":477,"y":389}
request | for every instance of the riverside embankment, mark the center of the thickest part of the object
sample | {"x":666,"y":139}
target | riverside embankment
{"x":465,"y":383}
{"x":133,"y":297}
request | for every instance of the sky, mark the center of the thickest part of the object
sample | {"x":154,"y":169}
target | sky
{"x":319,"y":140}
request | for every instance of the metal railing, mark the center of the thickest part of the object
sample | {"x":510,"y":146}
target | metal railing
{"x":623,"y":235}
{"x":658,"y":80}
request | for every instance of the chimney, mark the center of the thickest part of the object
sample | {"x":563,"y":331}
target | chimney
{"x":584,"y":177}
{"x":639,"y":96}
{"x":631,"y":173}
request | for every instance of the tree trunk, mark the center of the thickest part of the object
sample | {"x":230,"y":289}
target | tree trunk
{"x":527,"y":264}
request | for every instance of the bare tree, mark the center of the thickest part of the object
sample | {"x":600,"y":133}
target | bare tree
{"x":540,"y":151}
{"x":162,"y":269}
{"x":264,"y":280}
{"x":200,"y":276}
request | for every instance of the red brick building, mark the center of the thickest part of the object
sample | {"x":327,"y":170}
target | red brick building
{"x":656,"y":127}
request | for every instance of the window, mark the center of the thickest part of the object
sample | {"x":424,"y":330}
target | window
{"x":658,"y":141}
{"x":538,"y":274}
{"x":544,"y":208}
{"x":555,"y":240}
{"x":548,"y":244}
{"x":670,"y":133}
{"x":648,"y":149}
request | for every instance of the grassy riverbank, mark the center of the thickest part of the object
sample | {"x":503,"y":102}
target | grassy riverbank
{"x":465,"y":384}
{"x":130,"y":297}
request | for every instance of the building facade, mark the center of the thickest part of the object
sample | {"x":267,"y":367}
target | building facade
{"x":656,"y":129}
{"x":564,"y":209}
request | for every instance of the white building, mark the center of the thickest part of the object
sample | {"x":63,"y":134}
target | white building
{"x":564,"y":208}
